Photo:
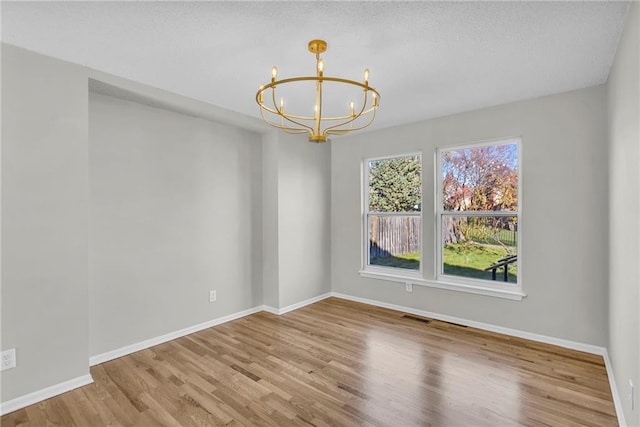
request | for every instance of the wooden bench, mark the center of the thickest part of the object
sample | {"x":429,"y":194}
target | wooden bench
{"x":504,"y":262}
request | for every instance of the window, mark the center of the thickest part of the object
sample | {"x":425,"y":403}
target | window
{"x":477,"y":217}
{"x":392,"y":214}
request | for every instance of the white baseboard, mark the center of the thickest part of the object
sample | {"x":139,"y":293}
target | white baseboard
{"x":132,"y":348}
{"x":587,"y":348}
{"x":45,"y":393}
{"x":52,"y":391}
{"x":40,"y":395}
{"x":271,"y":310}
{"x":280,"y":311}
{"x":617,"y":402}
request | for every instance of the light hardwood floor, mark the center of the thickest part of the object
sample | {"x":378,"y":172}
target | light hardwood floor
{"x":338,"y":362}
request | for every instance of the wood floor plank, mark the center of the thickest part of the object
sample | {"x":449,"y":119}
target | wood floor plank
{"x":338,"y":363}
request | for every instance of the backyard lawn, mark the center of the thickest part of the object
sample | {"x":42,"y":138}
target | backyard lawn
{"x":409,"y":261}
{"x":470,"y":260}
{"x":467,"y":259}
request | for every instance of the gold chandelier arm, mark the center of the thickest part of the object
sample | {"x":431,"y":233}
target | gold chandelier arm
{"x":324,"y":119}
{"x":343,"y":131}
{"x":276,"y":113}
{"x":352,"y":118}
{"x":294,"y":132}
{"x":306,"y":129}
{"x":272,"y":85}
{"x":288,"y":118}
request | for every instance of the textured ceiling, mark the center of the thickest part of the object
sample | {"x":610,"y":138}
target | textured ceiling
{"x":427,"y":59}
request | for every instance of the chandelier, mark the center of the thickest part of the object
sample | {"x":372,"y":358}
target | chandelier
{"x":353,"y":116}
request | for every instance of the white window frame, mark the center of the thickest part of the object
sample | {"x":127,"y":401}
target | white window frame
{"x":516,"y":289}
{"x":377,"y":270}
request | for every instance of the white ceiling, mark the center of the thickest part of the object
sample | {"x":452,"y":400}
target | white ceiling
{"x":427,"y":59}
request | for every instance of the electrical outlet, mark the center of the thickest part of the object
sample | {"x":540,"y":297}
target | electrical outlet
{"x":632,"y":396}
{"x":212,"y":296}
{"x":8,"y":359}
{"x":408,"y":287}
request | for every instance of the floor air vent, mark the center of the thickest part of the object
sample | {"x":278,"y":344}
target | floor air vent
{"x":419,"y":319}
{"x":423,"y":320}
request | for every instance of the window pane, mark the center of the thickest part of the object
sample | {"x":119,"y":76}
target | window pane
{"x":480,"y":247}
{"x":394,"y":241}
{"x":395,"y":184}
{"x":483,"y":178}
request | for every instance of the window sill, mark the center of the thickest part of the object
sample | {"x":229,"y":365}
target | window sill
{"x":516,"y":295}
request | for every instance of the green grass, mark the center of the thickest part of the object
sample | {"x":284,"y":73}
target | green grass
{"x":410,"y":261}
{"x":491,"y":236}
{"x":470,"y":260}
{"x":461,"y":259}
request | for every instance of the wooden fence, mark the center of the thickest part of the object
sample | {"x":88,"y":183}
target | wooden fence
{"x":494,"y":236}
{"x":487,"y":230}
{"x":393,"y":235}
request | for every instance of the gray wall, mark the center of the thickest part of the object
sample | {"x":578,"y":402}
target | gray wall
{"x":624,"y":211}
{"x":270,"y":253}
{"x":45,"y":200}
{"x":117,"y":218}
{"x":304,"y":219}
{"x":297,"y":219}
{"x":175,"y":212}
{"x":564,"y":255}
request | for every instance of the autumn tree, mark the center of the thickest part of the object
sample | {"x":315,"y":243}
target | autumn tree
{"x":478,"y":179}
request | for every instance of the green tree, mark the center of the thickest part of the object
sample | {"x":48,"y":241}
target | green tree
{"x":395,"y":185}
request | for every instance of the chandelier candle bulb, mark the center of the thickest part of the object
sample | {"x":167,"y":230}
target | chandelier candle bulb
{"x":324,"y":121}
